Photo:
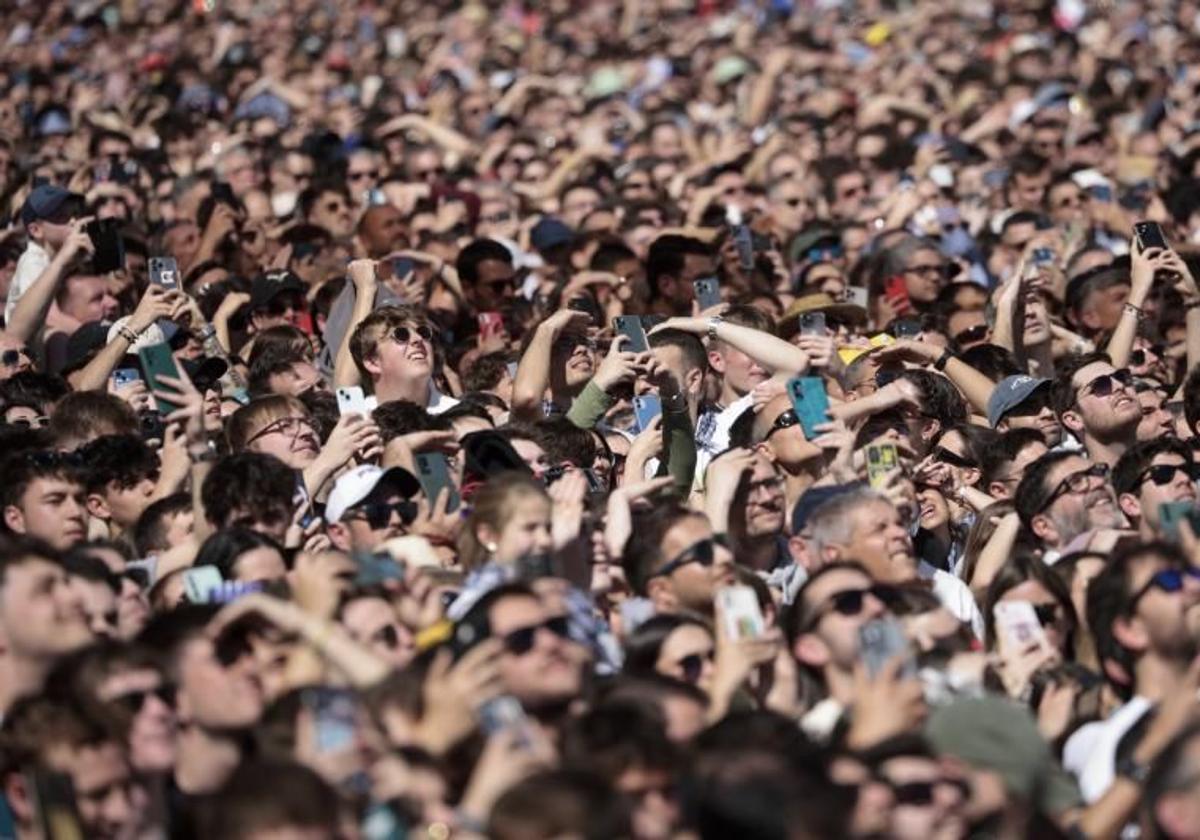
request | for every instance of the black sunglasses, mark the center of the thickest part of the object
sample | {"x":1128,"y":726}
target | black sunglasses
{"x":11,"y":358}
{"x":702,"y":552}
{"x":922,"y":793}
{"x":135,"y":701}
{"x":692,"y":665}
{"x":520,"y":642}
{"x":944,"y":455}
{"x":48,"y":459}
{"x":1168,"y":580}
{"x":784,"y":421}
{"x":1164,"y":474}
{"x":1139,"y":357}
{"x":403,"y":335}
{"x":850,"y":602}
{"x":280,"y":305}
{"x":971,"y":334}
{"x":1104,"y":384}
{"x":379,"y":514}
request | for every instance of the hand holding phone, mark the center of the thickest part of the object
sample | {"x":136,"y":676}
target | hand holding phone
{"x":813,"y":323}
{"x":741,"y":615}
{"x":810,"y":402}
{"x":882,"y":458}
{"x":708,"y":292}
{"x":631,"y":327}
{"x":882,"y":640}
{"x":645,"y":409}
{"x":1149,"y":235}
{"x":157,"y":360}
{"x":433,"y":471}
{"x":164,"y":271}
{"x":351,"y":400}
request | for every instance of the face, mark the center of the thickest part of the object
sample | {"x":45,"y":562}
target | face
{"x":1026,"y":191}
{"x":1165,"y":481}
{"x":52,"y":509}
{"x":577,"y":203}
{"x":1056,"y":627}
{"x":924,"y":275}
{"x":693,"y":584}
{"x":1156,"y":421}
{"x":573,"y":361}
{"x":789,"y":447}
{"x":111,"y":803}
{"x":126,"y":502}
{"x":836,"y":617}
{"x":1068,"y":203}
{"x":764,"y":500}
{"x":152,"y":731}
{"x":850,"y":190}
{"x":99,"y":605}
{"x":741,"y":372}
{"x":260,"y":564}
{"x":533,"y":455}
{"x":1034,"y":412}
{"x":14,"y":357}
{"x":1104,"y":407}
{"x":527,"y":531}
{"x":927,"y":805}
{"x":1074,"y":511}
{"x":373,"y":622}
{"x":405,"y":357}
{"x":1005,"y":482}
{"x":496,"y":285}
{"x":43,"y":616}
{"x":332,"y":212}
{"x":363,"y":533}
{"x":881,"y":543}
{"x":213,"y":694}
{"x":292,"y":439}
{"x":687,"y":654}
{"x":548,"y":672}
{"x":88,"y":299}
{"x":382,"y":231}
{"x":1102,"y":309}
{"x":1163,"y":622}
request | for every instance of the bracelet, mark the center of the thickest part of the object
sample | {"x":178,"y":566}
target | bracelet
{"x":126,"y":333}
{"x":714,"y":322}
{"x":943,"y":360}
{"x":1136,"y":310}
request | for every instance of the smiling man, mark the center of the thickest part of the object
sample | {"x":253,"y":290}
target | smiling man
{"x":1096,"y":403}
{"x":1064,"y":495}
{"x":393,"y":350}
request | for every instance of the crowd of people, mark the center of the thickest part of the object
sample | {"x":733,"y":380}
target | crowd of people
{"x":631,"y":418}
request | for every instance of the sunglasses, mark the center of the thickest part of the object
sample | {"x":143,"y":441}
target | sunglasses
{"x":702,"y":552}
{"x":1167,"y":580}
{"x":520,"y":642}
{"x":1104,"y":384}
{"x":284,"y":304}
{"x":1164,"y":474}
{"x":850,"y":602}
{"x":922,"y":793}
{"x":692,"y":665}
{"x":497,"y":218}
{"x":944,"y":455}
{"x":135,"y":701}
{"x":47,"y":459}
{"x":784,"y":421}
{"x":11,"y":358}
{"x":378,"y":514}
{"x":971,"y":334}
{"x":403,"y":335}
{"x":1140,"y":356}
{"x":1076,"y":482}
{"x":1032,"y":405}
{"x":366,"y":173}
{"x":935,"y":271}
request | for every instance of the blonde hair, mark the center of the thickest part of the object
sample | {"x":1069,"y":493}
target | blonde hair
{"x":257,"y":414}
{"x":493,"y":506}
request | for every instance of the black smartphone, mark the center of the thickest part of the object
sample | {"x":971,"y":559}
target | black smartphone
{"x":631,"y":327}
{"x":1149,"y":235}
{"x":433,"y":471}
{"x":223,"y":193}
{"x":110,"y":246}
{"x":164,"y":271}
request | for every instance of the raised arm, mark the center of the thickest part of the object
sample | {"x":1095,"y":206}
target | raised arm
{"x":770,"y":351}
{"x":533,"y":371}
{"x":30,"y":311}
{"x":362,"y":275}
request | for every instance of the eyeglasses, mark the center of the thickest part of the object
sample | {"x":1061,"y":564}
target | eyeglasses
{"x":335,"y":206}
{"x":936,"y":272}
{"x":1076,"y":482}
{"x":692,"y":665}
{"x":850,"y":602}
{"x":971,"y":334}
{"x":290,"y":426}
{"x":135,"y":701}
{"x":1140,"y":356}
{"x":48,"y":459}
{"x":520,"y":642}
{"x":1032,"y":405}
{"x":366,"y":173}
{"x":388,"y":636}
{"x":403,"y":335}
{"x":702,"y":552}
{"x":944,"y":455}
{"x":784,"y":421}
{"x":1104,"y":384}
{"x":1164,"y":474}
{"x":1167,"y":580}
{"x":11,"y":358}
{"x":378,"y":514}
{"x":918,"y":794}
{"x":283,"y":304}
{"x":497,"y":218}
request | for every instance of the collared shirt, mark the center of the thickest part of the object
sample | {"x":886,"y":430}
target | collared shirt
{"x":30,"y":266}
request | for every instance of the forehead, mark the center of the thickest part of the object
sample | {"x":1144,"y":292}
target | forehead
{"x":873,"y":511}
{"x":514,"y":611}
{"x":1089,"y":372}
{"x":831,"y":583}
{"x":1064,"y":468}
{"x":46,"y":484}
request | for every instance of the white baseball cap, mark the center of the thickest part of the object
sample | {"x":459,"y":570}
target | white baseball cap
{"x":352,"y":487}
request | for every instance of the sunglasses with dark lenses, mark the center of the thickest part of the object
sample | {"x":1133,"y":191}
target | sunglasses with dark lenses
{"x":972,"y":334}
{"x":944,"y":455}
{"x":135,"y":701}
{"x":702,"y":552}
{"x":1139,"y":357}
{"x":48,"y":459}
{"x":403,"y":335}
{"x":1104,"y":384}
{"x":1164,"y":474}
{"x":850,"y":602}
{"x":1167,"y":580}
{"x":692,"y":665}
{"x":281,"y":304}
{"x":379,"y":514}
{"x":11,"y":358}
{"x":922,"y":793}
{"x":784,"y":421}
{"x":520,"y":642}
{"x":1031,"y":405}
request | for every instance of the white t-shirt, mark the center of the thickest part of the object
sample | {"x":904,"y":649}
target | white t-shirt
{"x":437,"y":403}
{"x":955,"y":596}
{"x":30,"y":266}
{"x":1091,"y":752}
{"x":712,"y":433}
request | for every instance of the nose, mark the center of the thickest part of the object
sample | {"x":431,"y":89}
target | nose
{"x":873,"y":607}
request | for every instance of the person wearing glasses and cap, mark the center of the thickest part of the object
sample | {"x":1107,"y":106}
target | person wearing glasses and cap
{"x":1096,"y":403}
{"x":392,"y":349}
{"x":369,"y":505}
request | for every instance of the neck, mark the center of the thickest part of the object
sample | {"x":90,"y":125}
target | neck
{"x":729,"y":394}
{"x":840,"y":684}
{"x":20,"y":677}
{"x":758,"y":553}
{"x":1157,"y":677}
{"x":1107,"y":451}
{"x":204,"y":759}
{"x":413,"y":390}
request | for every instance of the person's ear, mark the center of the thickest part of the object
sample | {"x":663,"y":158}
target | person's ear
{"x":662,"y":595}
{"x":36,"y":230}
{"x":1043,"y":528}
{"x":830,"y":554}
{"x":971,"y":476}
{"x":16,"y":793}
{"x":1129,"y":633}
{"x":998,"y":490}
{"x":97,"y":506}
{"x":1130,"y":505}
{"x":372,"y":365}
{"x":1072,"y":421}
{"x":930,"y":428}
{"x":487,"y":536}
{"x":14,"y":519}
{"x":693,"y":381}
{"x":798,"y":549}
{"x":716,"y":361}
{"x":811,"y":651}
{"x":339,"y":535}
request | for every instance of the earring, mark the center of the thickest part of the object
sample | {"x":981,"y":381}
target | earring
{"x":491,"y":547}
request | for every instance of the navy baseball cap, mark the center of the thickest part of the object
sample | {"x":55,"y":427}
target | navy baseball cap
{"x":51,"y":203}
{"x":1009,"y":393}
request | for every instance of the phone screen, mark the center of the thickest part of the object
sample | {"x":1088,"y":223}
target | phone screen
{"x":109,"y":247}
{"x":1150,"y":235}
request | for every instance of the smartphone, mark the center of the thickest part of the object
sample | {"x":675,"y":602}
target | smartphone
{"x":631,"y":327}
{"x":531,"y":567}
{"x":906,"y":328}
{"x":231,"y":590}
{"x":223,"y":193}
{"x":334,"y":717}
{"x":402,"y":267}
{"x":123,"y":377}
{"x":1170,"y":513}
{"x":856,"y":295}
{"x":1018,"y":623}
{"x":490,"y":324}
{"x":896,"y":291}
{"x":200,"y":582}
{"x":708,"y":292}
{"x":157,"y":361}
{"x":1149,"y":235}
{"x":810,"y":402}
{"x":500,"y":713}
{"x":109,"y":254}
{"x":374,"y":569}
{"x":54,"y":805}
{"x":164,"y":271}
{"x":882,"y":640}
{"x":350,"y":400}
{"x":813,"y":323}
{"x":740,"y":612}
{"x":645,"y":409}
{"x":433,"y":471}
{"x":882,"y":458}
{"x":1043,"y":256}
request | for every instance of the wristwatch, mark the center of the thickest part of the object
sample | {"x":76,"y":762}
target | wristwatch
{"x":714,"y":322}
{"x":1130,"y":769}
{"x":943,"y":360}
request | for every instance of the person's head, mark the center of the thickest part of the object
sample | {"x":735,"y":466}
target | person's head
{"x":485,"y":268}
{"x":673,"y":263}
{"x":275,"y":425}
{"x":48,"y":212}
{"x":120,"y":475}
{"x":82,"y":416}
{"x":1020,"y":402}
{"x":759,"y":507}
{"x":1150,"y":474}
{"x":50,"y":735}
{"x":1028,"y":177}
{"x":673,"y":560}
{"x":679,"y":646}
{"x":164,"y":524}
{"x":1062,"y":495}
{"x":369,"y":506}
{"x":272,"y":799}
{"x":1029,"y":579}
{"x":1095,"y":298}
{"x":510,"y":519}
{"x":14,"y":356}
{"x":42,"y":616}
{"x":1142,"y":605}
{"x":777,"y":428}
{"x":43,"y":497}
{"x":1095,"y":401}
{"x":381,"y":231}
{"x":823,"y":621}
{"x":250,"y":490}
{"x":86,"y":298}
{"x":278,"y":368}
{"x":740,"y":372}
{"x":862,"y":526}
{"x":942,"y":407}
{"x":561,"y":803}
{"x":1005,"y":461}
{"x":925,"y":273}
{"x":684,"y":356}
{"x":393,"y":344}
{"x":327,"y":206}
{"x":243,"y":555}
{"x":97,"y":587}
{"x":371,"y":620}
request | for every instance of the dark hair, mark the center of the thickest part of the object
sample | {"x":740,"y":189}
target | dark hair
{"x":225,"y":547}
{"x":272,"y":360}
{"x":150,"y":532}
{"x":1137,"y":458}
{"x":474,"y":254}
{"x":940,"y":400}
{"x":247,"y":481}
{"x":565,"y":442}
{"x":643,"y":645}
{"x":1004,"y":449}
{"x":23,"y":468}
{"x":643,"y":552}
{"x":263,"y":795}
{"x":18,"y":550}
{"x":992,"y":361}
{"x":33,"y":389}
{"x":400,"y":417}
{"x":1032,"y":493}
{"x":559,"y":803}
{"x":1062,"y":389}
{"x":690,"y":347}
{"x":615,"y":738}
{"x":1016,"y":571}
{"x":125,"y":459}
{"x":485,"y":372}
{"x":667,"y":256}
{"x":799,"y":613}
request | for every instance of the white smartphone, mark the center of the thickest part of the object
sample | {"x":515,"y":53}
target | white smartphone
{"x":741,"y":613}
{"x":1018,"y":624}
{"x":200,"y":582}
{"x":351,"y":401}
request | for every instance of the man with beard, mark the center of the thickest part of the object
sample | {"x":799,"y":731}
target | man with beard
{"x":1096,"y":403}
{"x":1151,"y":474}
{"x":1064,"y":495}
{"x":1142,"y":611}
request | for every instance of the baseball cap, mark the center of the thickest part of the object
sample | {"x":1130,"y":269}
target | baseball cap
{"x":266,"y":287}
{"x":353,"y":487}
{"x":550,"y":233}
{"x":50,"y":202}
{"x":993,"y":733}
{"x":1010,"y":392}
